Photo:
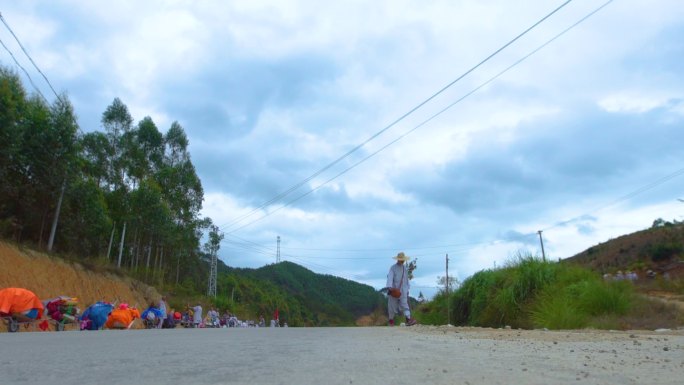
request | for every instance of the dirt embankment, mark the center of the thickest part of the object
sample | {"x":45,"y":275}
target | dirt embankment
{"x":50,"y":277}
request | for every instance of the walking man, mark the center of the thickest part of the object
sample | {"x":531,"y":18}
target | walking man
{"x":398,"y":290}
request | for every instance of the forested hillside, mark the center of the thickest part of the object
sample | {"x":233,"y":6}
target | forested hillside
{"x":128,"y":194}
{"x":301,"y":296}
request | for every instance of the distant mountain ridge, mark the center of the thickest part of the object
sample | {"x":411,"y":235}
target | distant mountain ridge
{"x":302,"y":297}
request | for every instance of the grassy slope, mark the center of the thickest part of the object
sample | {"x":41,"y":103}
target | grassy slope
{"x":530,"y":293}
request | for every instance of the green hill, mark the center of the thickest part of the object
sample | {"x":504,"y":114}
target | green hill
{"x":302,"y":297}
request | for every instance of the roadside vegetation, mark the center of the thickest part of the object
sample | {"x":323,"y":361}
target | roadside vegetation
{"x":531,"y":293}
{"x":125,"y":199}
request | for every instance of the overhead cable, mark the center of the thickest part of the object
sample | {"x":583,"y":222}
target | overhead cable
{"x":25,"y":72}
{"x":28,"y":56}
{"x":623,"y":198}
{"x":402,"y":117}
{"x":429,"y":119}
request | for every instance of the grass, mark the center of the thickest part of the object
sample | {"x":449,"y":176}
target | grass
{"x":531,"y":293}
{"x":558,"y":312}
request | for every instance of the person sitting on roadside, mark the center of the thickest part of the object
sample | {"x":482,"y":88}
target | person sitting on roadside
{"x":123,"y":317}
{"x":152,"y":317}
{"x":170,"y":321}
{"x":212,"y":319}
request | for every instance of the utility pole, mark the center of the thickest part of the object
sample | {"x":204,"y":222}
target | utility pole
{"x":278,"y":251}
{"x":541,"y":241}
{"x":447,"y":290}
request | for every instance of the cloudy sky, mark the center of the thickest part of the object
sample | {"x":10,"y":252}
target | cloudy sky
{"x":296,"y":112}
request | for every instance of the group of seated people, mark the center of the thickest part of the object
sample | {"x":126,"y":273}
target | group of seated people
{"x":23,"y":305}
{"x":192,"y":318}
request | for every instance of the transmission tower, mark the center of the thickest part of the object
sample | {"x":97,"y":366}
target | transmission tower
{"x":212,"y":275}
{"x":212,"y":248}
{"x":278,"y":251}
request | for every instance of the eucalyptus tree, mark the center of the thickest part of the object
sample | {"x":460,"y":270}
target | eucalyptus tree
{"x":12,"y":107}
{"x":64,"y":155}
{"x":183,"y":191}
{"x":151,"y":219}
{"x":32,"y":169}
{"x":143,"y":150}
{"x":150,"y":145}
{"x":117,"y":122}
{"x":96,"y":153}
{"x":176,"y":145}
{"x":85,"y":221}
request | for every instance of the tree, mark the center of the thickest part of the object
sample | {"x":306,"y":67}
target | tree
{"x":65,"y":155}
{"x":134,"y":177}
{"x":85,"y":221}
{"x":145,"y":150}
{"x":176,"y":145}
{"x":453,"y":283}
{"x":412,"y":266}
{"x":117,"y":122}
{"x":96,"y":155}
{"x":12,"y":108}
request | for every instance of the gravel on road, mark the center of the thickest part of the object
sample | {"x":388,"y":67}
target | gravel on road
{"x":354,"y":355}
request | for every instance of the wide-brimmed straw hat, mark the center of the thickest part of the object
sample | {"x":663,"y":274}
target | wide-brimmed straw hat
{"x":401,"y":257}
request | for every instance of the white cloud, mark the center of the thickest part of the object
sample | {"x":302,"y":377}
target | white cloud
{"x":269,"y":92}
{"x":632,"y":102}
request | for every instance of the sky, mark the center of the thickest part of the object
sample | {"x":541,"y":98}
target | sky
{"x":348,"y":130}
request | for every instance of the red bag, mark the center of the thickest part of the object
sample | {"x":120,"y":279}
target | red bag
{"x":394,"y":292}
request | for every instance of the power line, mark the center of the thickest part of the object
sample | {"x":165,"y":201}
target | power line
{"x":23,"y":69}
{"x":36,"y":67}
{"x":441,"y":247}
{"x":372,"y":137}
{"x":430,"y":118}
{"x":623,"y":198}
{"x":28,"y":56}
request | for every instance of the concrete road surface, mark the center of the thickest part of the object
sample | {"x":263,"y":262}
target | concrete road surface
{"x":380,"y":355}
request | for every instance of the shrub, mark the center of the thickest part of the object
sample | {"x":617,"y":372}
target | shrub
{"x":528,"y":292}
{"x":600,"y":298}
{"x":557,"y":312}
{"x":472,"y":298}
{"x":665,"y":251}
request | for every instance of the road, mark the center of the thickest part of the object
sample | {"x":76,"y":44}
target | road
{"x":380,"y":355}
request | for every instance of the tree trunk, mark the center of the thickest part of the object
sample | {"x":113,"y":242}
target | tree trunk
{"x":161,"y":267}
{"x":149,"y":251}
{"x":54,"y":222}
{"x":134,"y":249}
{"x":111,"y":240}
{"x":121,"y":246}
{"x":42,"y":228}
{"x":178,"y":267}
